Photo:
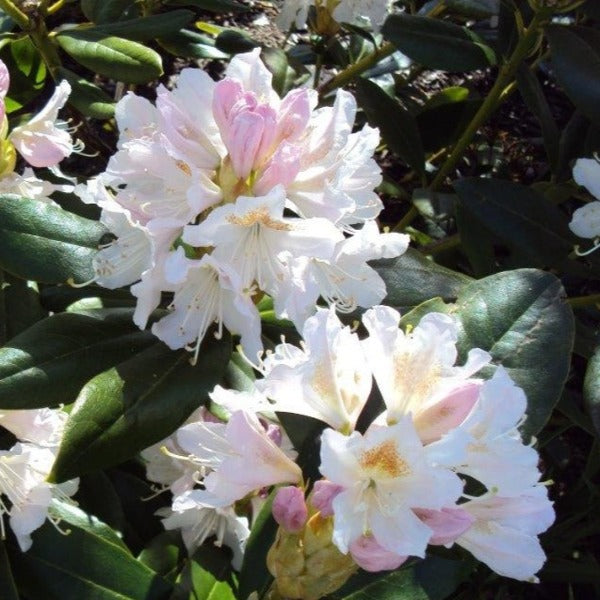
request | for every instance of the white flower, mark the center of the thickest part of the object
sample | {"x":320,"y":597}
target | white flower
{"x":44,"y":141}
{"x":416,"y":371}
{"x":28,"y":185}
{"x":384,"y":476}
{"x":43,"y":426}
{"x":332,"y":382}
{"x":504,"y":534}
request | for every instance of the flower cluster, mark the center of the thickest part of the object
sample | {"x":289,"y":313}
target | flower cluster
{"x":25,"y":495}
{"x":586,"y":220}
{"x":223,"y":191}
{"x":42,"y":142}
{"x":400,"y":486}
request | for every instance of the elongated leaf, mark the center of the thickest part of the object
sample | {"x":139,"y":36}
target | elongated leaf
{"x":114,"y":57}
{"x":7,"y":583}
{"x":576,"y":60}
{"x":523,"y":219}
{"x":145,"y":28}
{"x":45,"y":243}
{"x":437,"y":44}
{"x":522,"y":319}
{"x":412,"y":278}
{"x":89,"y":562}
{"x":87,"y":97}
{"x":397,"y":126}
{"x":191,"y":44}
{"x":136,"y":404}
{"x":48,"y":364}
{"x":430,"y":579}
{"x":591,"y":389}
{"x":108,"y":11}
{"x":217,"y":6}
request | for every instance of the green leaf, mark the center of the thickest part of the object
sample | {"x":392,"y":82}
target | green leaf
{"x":108,"y":11}
{"x":19,"y":306}
{"x":479,"y":9}
{"x":521,"y":318}
{"x":437,"y":44}
{"x":7,"y":583}
{"x":254,"y":575}
{"x":88,"y":562}
{"x":145,"y":28}
{"x":412,"y":278}
{"x":431,"y":579}
{"x":576,"y":61}
{"x":397,"y":126}
{"x":164,"y":553}
{"x":536,"y":102}
{"x":276,"y":60}
{"x":48,"y":364}
{"x":136,"y":404}
{"x":591,"y":389}
{"x":46,"y":243}
{"x":191,"y":44}
{"x":216,"y":6}
{"x":88,"y":98}
{"x":97,"y":496}
{"x":233,"y":41}
{"x":521,"y":218}
{"x":113,"y":57}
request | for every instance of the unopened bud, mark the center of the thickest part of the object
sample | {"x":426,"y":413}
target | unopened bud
{"x":289,"y":508}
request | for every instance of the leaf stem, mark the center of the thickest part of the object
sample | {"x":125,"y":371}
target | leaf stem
{"x":500,"y":90}
{"x":583,"y":301}
{"x":16,"y":14}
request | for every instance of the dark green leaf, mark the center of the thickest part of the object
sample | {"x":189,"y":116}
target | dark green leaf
{"x":19,"y":306}
{"x":255,"y":576}
{"x":217,"y":6}
{"x":412,"y":278}
{"x":431,"y":579}
{"x":88,"y":98}
{"x":522,"y":319}
{"x":7,"y":583}
{"x":536,"y":102}
{"x":191,"y":44}
{"x":88,"y":562}
{"x":136,"y":404}
{"x":234,"y":42}
{"x":164,"y":553}
{"x":113,"y":57}
{"x":576,"y":60}
{"x":397,"y":126}
{"x":48,"y":364}
{"x":437,"y":44}
{"x":45,"y":243}
{"x":479,"y":9}
{"x":591,"y":389}
{"x":524,"y":220}
{"x":109,"y":11}
{"x":276,"y":61}
{"x":145,"y":28}
{"x":97,"y":496}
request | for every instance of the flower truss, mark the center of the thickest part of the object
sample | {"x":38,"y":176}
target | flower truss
{"x":43,"y":142}
{"x":586,"y":220}
{"x":223,"y":191}
{"x":25,"y":495}
{"x":443,"y":464}
{"x":295,"y":12}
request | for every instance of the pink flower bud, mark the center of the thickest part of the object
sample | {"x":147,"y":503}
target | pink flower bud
{"x":447,"y":524}
{"x":323,"y":494}
{"x":4,"y":79}
{"x":289,"y":508}
{"x":370,"y":556}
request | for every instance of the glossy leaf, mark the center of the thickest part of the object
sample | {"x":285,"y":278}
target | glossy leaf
{"x":89,"y":562}
{"x":136,"y":404}
{"x":146,"y":28}
{"x":412,"y":278}
{"x":48,"y":364}
{"x":397,"y":126}
{"x":42,"y":242}
{"x":108,"y":11}
{"x":576,"y":61}
{"x":591,"y":389}
{"x":522,"y":319}
{"x":88,"y":98}
{"x":113,"y":57}
{"x":191,"y":44}
{"x":233,"y":41}
{"x":437,"y":44}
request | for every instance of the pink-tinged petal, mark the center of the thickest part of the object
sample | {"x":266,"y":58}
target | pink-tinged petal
{"x":294,"y":115}
{"x":448,"y":413}
{"x":42,"y":148}
{"x":4,"y":79}
{"x":289,"y":508}
{"x":282,"y":168}
{"x":370,"y":556}
{"x":245,"y":136}
{"x":447,"y":524}
{"x":227,"y":93}
{"x":586,"y":172}
{"x":323,"y":495}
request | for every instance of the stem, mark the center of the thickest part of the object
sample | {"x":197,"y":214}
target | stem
{"x":582,"y":301}
{"x":407,"y":219}
{"x":15,"y":14}
{"x":504,"y":80}
{"x":55,"y":7}
{"x":446,"y":244}
{"x":46,"y":48}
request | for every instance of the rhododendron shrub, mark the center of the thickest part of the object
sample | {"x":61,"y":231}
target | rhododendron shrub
{"x":289,"y":295}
